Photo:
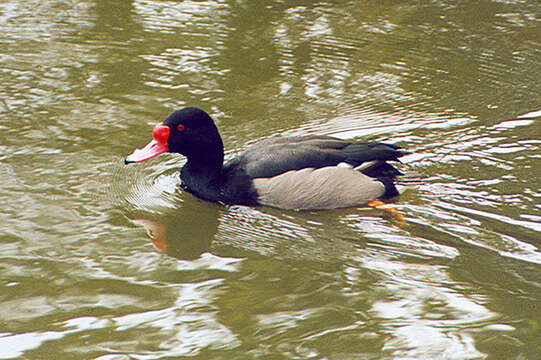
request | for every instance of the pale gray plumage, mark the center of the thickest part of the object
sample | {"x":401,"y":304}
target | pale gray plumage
{"x":324,"y":188}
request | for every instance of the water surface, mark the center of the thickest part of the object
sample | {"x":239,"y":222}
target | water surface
{"x":104,"y":261}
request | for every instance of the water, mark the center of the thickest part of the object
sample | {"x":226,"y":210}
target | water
{"x":103,"y":261}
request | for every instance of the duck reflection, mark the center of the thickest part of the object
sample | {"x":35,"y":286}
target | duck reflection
{"x":186,"y":233}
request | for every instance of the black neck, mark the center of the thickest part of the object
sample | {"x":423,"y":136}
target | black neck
{"x":208,"y":169}
{"x":202,"y":173}
{"x":201,"y":176}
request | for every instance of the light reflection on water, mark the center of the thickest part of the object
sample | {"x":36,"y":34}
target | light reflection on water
{"x":82,"y":85}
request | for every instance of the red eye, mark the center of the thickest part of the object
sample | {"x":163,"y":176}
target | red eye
{"x":180,"y":127}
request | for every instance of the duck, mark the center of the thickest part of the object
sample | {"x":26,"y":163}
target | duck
{"x":307,"y":172}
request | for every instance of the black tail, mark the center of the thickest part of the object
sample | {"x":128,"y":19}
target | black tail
{"x":372,"y":158}
{"x":360,"y":152}
{"x":390,"y":188}
{"x":380,"y":169}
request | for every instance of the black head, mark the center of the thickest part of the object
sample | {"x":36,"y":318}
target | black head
{"x":190,"y":132}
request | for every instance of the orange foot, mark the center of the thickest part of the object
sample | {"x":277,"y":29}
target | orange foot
{"x":381,"y":205}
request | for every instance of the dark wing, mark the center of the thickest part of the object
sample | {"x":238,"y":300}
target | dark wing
{"x":274,"y":156}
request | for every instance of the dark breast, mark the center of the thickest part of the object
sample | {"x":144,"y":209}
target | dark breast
{"x":236,"y":186}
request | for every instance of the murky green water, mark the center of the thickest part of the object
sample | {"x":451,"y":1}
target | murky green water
{"x":82,"y":83}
